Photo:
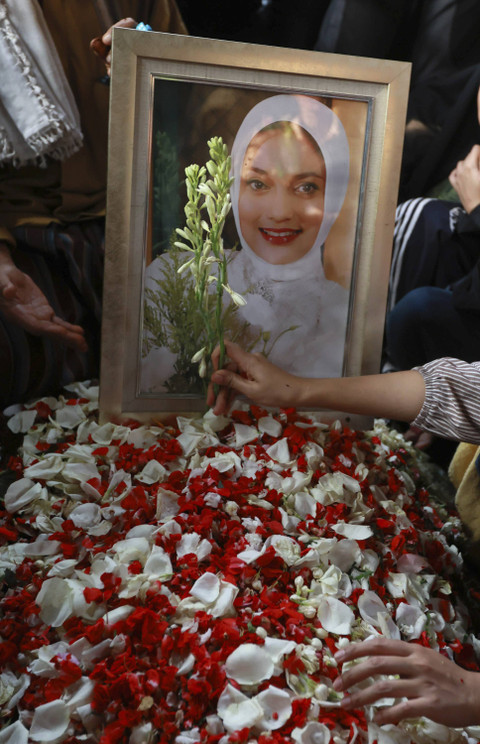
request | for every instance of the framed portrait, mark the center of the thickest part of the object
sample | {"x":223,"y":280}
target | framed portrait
{"x":314,"y":143}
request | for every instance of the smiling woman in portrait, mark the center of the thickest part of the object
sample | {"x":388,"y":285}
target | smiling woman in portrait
{"x":290,"y":170}
{"x":290,"y":164}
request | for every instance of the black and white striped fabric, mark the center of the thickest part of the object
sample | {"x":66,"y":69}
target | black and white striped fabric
{"x":452,"y":399}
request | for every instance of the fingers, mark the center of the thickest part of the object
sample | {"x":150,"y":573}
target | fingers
{"x":124,"y":23}
{"x":227,"y":378}
{"x":373,"y":647}
{"x":102,"y":45}
{"x":385,"y":688}
{"x":405,"y":709}
{"x":69,"y":334}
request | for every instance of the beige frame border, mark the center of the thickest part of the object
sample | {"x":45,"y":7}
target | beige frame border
{"x":137,"y":58}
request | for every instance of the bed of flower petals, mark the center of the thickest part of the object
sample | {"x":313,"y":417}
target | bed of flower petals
{"x":191,"y":584}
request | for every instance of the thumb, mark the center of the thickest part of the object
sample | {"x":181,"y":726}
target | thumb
{"x":8,"y":291}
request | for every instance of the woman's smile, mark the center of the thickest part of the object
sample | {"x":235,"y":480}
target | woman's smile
{"x":282,"y":193}
{"x":279,"y":236}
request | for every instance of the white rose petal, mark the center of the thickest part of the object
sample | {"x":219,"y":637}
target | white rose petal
{"x":50,"y":721}
{"x":118,"y":614}
{"x":70,"y":416}
{"x":142,"y":734}
{"x":167,"y":505}
{"x":158,"y":563}
{"x":313,"y":733}
{"x":206,"y":588}
{"x":80,"y":472}
{"x":249,"y":664}
{"x":79,"y":694}
{"x":132,"y":549}
{"x":269,"y":425}
{"x":23,"y":492}
{"x":244,"y":434}
{"x":286,"y":547}
{"x":46,"y":468}
{"x":22,"y":422}
{"x":280,"y":451}
{"x":236,"y":710}
{"x":55,"y":600}
{"x":86,"y":515}
{"x":16,"y":733}
{"x":335,"y":616}
{"x":411,"y":621}
{"x":353,"y":531}
{"x":411,"y":563}
{"x":276,"y":705}
{"x":192,"y":543}
{"x":278,"y":647}
{"x":223,"y":605}
{"x":152,"y":473}
{"x":344,"y":554}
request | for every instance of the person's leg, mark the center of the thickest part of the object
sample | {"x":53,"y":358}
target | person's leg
{"x":425,"y":325}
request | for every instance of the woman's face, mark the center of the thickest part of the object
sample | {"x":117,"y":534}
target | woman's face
{"x":282,"y":193}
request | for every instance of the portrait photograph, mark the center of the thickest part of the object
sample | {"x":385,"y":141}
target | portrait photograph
{"x":294,"y":224}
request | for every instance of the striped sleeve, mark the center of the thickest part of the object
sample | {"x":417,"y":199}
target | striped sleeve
{"x":451,"y":407}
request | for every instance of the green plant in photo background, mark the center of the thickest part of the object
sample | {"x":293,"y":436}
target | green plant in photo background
{"x":166,"y":193}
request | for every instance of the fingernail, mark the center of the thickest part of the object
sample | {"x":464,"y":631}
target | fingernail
{"x":338,"y":656}
{"x":337,"y":684}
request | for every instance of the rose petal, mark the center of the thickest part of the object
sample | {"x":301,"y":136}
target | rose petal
{"x":313,"y":733}
{"x":22,"y":422}
{"x":16,"y":733}
{"x":23,"y":492}
{"x":50,"y":721}
{"x":249,"y":664}
{"x":244,"y":434}
{"x":353,"y":531}
{"x":335,"y":616}
{"x":280,"y":451}
{"x":158,"y":563}
{"x":276,"y":705}
{"x":269,"y":425}
{"x":236,"y":710}
{"x":55,"y":600}
{"x":86,"y":515}
{"x":206,"y":588}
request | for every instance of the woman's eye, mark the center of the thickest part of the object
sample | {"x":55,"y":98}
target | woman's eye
{"x":256,"y":185}
{"x":307,"y":188}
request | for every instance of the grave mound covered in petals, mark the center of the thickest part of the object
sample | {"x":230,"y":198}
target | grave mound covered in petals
{"x":187,"y":584}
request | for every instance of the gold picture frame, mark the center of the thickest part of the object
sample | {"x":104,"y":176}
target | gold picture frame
{"x":192,"y":88}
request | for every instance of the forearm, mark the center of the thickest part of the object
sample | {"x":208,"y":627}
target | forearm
{"x":399,"y":395}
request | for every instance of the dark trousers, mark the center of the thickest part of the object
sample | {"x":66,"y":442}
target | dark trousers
{"x":424,"y":325}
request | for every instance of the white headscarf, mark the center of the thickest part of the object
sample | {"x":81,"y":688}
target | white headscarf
{"x":326,"y":129}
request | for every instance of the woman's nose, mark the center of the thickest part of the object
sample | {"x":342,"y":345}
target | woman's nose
{"x":281,"y":206}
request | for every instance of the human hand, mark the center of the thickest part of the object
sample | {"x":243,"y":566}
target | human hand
{"x":465,"y":179}
{"x":102,"y":45}
{"x":23,"y":303}
{"x":419,"y":437}
{"x":434,"y":686}
{"x":251,"y":375}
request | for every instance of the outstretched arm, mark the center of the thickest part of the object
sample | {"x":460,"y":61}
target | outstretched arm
{"x":399,"y":395}
{"x":434,"y":686}
{"x":23,"y":303}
